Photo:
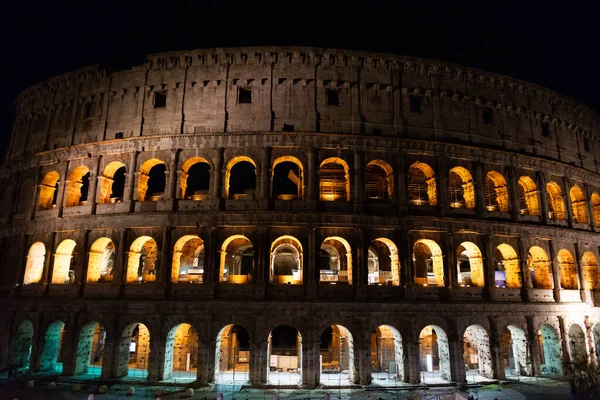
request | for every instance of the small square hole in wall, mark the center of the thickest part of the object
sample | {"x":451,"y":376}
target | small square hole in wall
{"x":376,"y":132}
{"x":244,"y":96}
{"x":119,"y":135}
{"x":89,"y":109}
{"x":288,"y":128}
{"x":488,"y":116}
{"x":545,"y":128}
{"x":415,"y":103}
{"x":333,"y":97}
{"x":160,"y":99}
{"x":586,"y":144}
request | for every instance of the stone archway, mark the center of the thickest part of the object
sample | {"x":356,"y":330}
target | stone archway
{"x":337,"y":356}
{"x":550,"y":354}
{"x":232,"y":355}
{"x":181,"y":354}
{"x":383,"y":263}
{"x":469,"y":265}
{"x":477,"y":353}
{"x":387,"y":356}
{"x":428,"y":263}
{"x":515,"y":352}
{"x":133,"y":352}
{"x":434,"y":355}
{"x":20,"y":348}
{"x":284,"y":356}
{"x":50,"y":359}
{"x":577,"y":344}
{"x":90,"y":350}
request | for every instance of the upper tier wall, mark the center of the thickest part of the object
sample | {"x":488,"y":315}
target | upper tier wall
{"x":291,"y":88}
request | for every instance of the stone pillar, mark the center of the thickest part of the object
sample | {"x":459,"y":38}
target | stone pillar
{"x":457,"y":360}
{"x":62,"y":188}
{"x":496,"y":349}
{"x":362,"y":357}
{"x":49,"y":263}
{"x":442,"y":182}
{"x":258,"y":363}
{"x":566,"y":188}
{"x":121,"y":267}
{"x":412,"y":368}
{"x":512,"y":190}
{"x":450,"y":267}
{"x":156,"y":358}
{"x":211,"y":257}
{"x":68,"y":349}
{"x":217,"y":178}
{"x":37,"y":344}
{"x":523,"y":265}
{"x":401,"y":184}
{"x":534,"y":356}
{"x":541,"y":178}
{"x":129,"y":194}
{"x":310,"y":275}
{"x":110,"y":356}
{"x":359,"y":189}
{"x":555,"y":270}
{"x":206,"y":362}
{"x":311,"y":173}
{"x":81,"y":277}
{"x":583,"y":290}
{"x":408,"y":267}
{"x":310,"y":363}
{"x":361,"y":271}
{"x":262,"y":272}
{"x":164,"y":273}
{"x":265,"y":173}
{"x":171,"y":184}
{"x":564,"y":338}
{"x":479,"y":189}
{"x":588,"y":203}
{"x":489,"y":269}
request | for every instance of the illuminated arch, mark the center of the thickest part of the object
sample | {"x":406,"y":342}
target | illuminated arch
{"x":101,"y":261}
{"x":188,"y":260}
{"x":421,"y":185}
{"x":286,"y":261}
{"x":439,"y":352}
{"x":107,"y":181}
{"x":578,"y":205}
{"x":144,"y":177}
{"x":477,"y":351}
{"x":428,"y":263}
{"x":589,"y":263}
{"x":577,"y":344}
{"x":237,"y":260}
{"x":337,"y":354}
{"x":232,"y":354}
{"x":551,"y":352}
{"x":596,"y":208}
{"x":379,"y":180}
{"x":508,"y":272}
{"x":20,"y":348}
{"x":182,"y":340}
{"x":496,"y":192}
{"x":461,"y":191}
{"x":334,"y":180}
{"x":556,"y":202}
{"x":34,"y":268}
{"x":527,"y":193}
{"x":386,"y":348}
{"x":229,"y":167}
{"x":296,"y":178}
{"x":62,"y":261}
{"x":185,"y":175}
{"x":77,"y":187}
{"x":133,"y":351}
{"x":338,"y":267}
{"x":90,"y":347}
{"x":568,"y":270}
{"x":292,"y":356}
{"x":48,"y":191}
{"x":142,"y":260}
{"x":539,"y":268}
{"x":469,"y":265}
{"x":515,"y":350}
{"x":384,"y":266}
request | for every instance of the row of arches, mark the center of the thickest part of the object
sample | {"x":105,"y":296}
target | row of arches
{"x":335,"y":263}
{"x":288,"y":183}
{"x":134,"y":349}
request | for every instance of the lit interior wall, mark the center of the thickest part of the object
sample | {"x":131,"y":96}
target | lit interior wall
{"x":590,"y":270}
{"x":428,"y":263}
{"x":286,"y":261}
{"x":528,"y":196}
{"x":568,"y":270}
{"x":188,"y":254}
{"x":578,"y":205}
{"x":34,"y":267}
{"x":142,"y":260}
{"x":62,"y":261}
{"x":461,"y":191}
{"x":507,"y":267}
{"x":76,"y":184}
{"x":48,"y":189}
{"x":101,"y":261}
{"x":540,"y":269}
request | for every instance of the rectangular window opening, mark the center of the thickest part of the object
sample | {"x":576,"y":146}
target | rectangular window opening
{"x":376,"y":132}
{"x":244,"y":96}
{"x":415,"y":104}
{"x":545,"y":129}
{"x":333,"y":97}
{"x":89,"y":109}
{"x":488,"y":116}
{"x":288,"y":128}
{"x":586,"y":144}
{"x":119,"y":135}
{"x":160,"y":99}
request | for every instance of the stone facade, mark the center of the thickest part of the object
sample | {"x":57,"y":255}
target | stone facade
{"x":433,"y":210}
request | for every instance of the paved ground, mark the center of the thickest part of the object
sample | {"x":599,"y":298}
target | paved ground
{"x":535,"y":389}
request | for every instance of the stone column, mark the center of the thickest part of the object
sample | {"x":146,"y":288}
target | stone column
{"x":541,"y":180}
{"x":589,"y":208}
{"x":81,"y":277}
{"x":258,"y":363}
{"x":310,"y":363}
{"x":121,"y":261}
{"x":359,"y":189}
{"x":263,"y":274}
{"x":457,"y":359}
{"x":68,"y":348}
{"x":523,"y":266}
{"x":583,"y":290}
{"x":164,"y":273}
{"x":479,"y":189}
{"x":310,"y":275}
{"x":171,"y":187}
{"x":535,"y":350}
{"x":489,"y":269}
{"x":217,"y":175}
{"x":156,"y":358}
{"x":211,"y":259}
{"x":566,"y":188}
{"x":412,"y":369}
{"x":450,"y":267}
{"x":110,"y":356}
{"x":206,"y":361}
{"x":129,"y":194}
{"x":311,"y":174}
{"x":555,"y":270}
{"x":442,"y":182}
{"x":49,"y":263}
{"x":265,"y":173}
{"x":564,"y":338}
{"x":408,"y":267}
{"x":401,"y":184}
{"x":496,"y":349}
{"x":512,"y":190}
{"x":361,"y":273}
{"x":62,"y":188}
{"x":362,"y":356}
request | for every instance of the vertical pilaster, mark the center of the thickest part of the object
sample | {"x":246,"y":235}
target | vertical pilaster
{"x":401,"y":187}
{"x":311,"y":172}
{"x":211,"y":257}
{"x":489,"y":269}
{"x":362,"y":357}
{"x":49,"y":263}
{"x":442,"y":182}
{"x":258,"y":362}
{"x":457,"y":360}
{"x":413,"y":365}
{"x":130,"y":176}
{"x":541,"y":178}
{"x":217,"y":175}
{"x":555,"y":270}
{"x":496,"y":349}
{"x":450,"y":269}
{"x":310,"y":275}
{"x":165,"y":266}
{"x":566,"y":187}
{"x":265,"y":173}
{"x":359,"y":189}
{"x":121,"y":267}
{"x":512,"y":190}
{"x":85,"y":258}
{"x":206,"y":359}
{"x":583,"y":290}
{"x":310,"y":363}
{"x":360,"y":278}
{"x":524,"y":267}
{"x":479,"y":189}
{"x":534,"y":345}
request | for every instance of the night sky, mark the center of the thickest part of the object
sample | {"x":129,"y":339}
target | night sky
{"x":554,"y":44}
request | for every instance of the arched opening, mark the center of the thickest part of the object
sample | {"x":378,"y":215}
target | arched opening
{"x":477,"y":353}
{"x":469,"y":265}
{"x":428,"y":263}
{"x":514,"y":351}
{"x":62,"y":271}
{"x":194,"y":182}
{"x":34,"y":268}
{"x":577,"y":344}
{"x":284,"y":362}
{"x":337,"y":356}
{"x":237,"y":260}
{"x":590,"y":270}
{"x":181,"y":354}
{"x":496,"y":192}
{"x":579,"y":206}
{"x":188,"y":260}
{"x":383,"y":263}
{"x":20,"y":348}
{"x":50,"y":358}
{"x":133,"y":350}
{"x":101,"y":261}
{"x":48,"y":191}
{"x":335,"y":261}
{"x":461,"y":191}
{"x":287,"y":179}
{"x":112,"y":183}
{"x":232,"y":358}
{"x":334,"y":180}
{"x":556,"y":203}
{"x":90,"y":350}
{"x":596,"y":208}
{"x":421,"y":185}
{"x":528,"y":196}
{"x":379,"y":180}
{"x":568,"y":270}
{"x":508,"y":272}
{"x":539,"y":268}
{"x":240,"y":178}
{"x":387,"y":356}
{"x":550,"y":358}
{"x":434,"y":355}
{"x":77,"y":189}
{"x":286,"y":261}
{"x":142,"y":260}
{"x":152,"y":180}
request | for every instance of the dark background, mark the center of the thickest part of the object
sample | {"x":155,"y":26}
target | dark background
{"x":554,"y":44}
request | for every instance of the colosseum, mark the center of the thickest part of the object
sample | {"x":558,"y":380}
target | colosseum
{"x":299,"y":216}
